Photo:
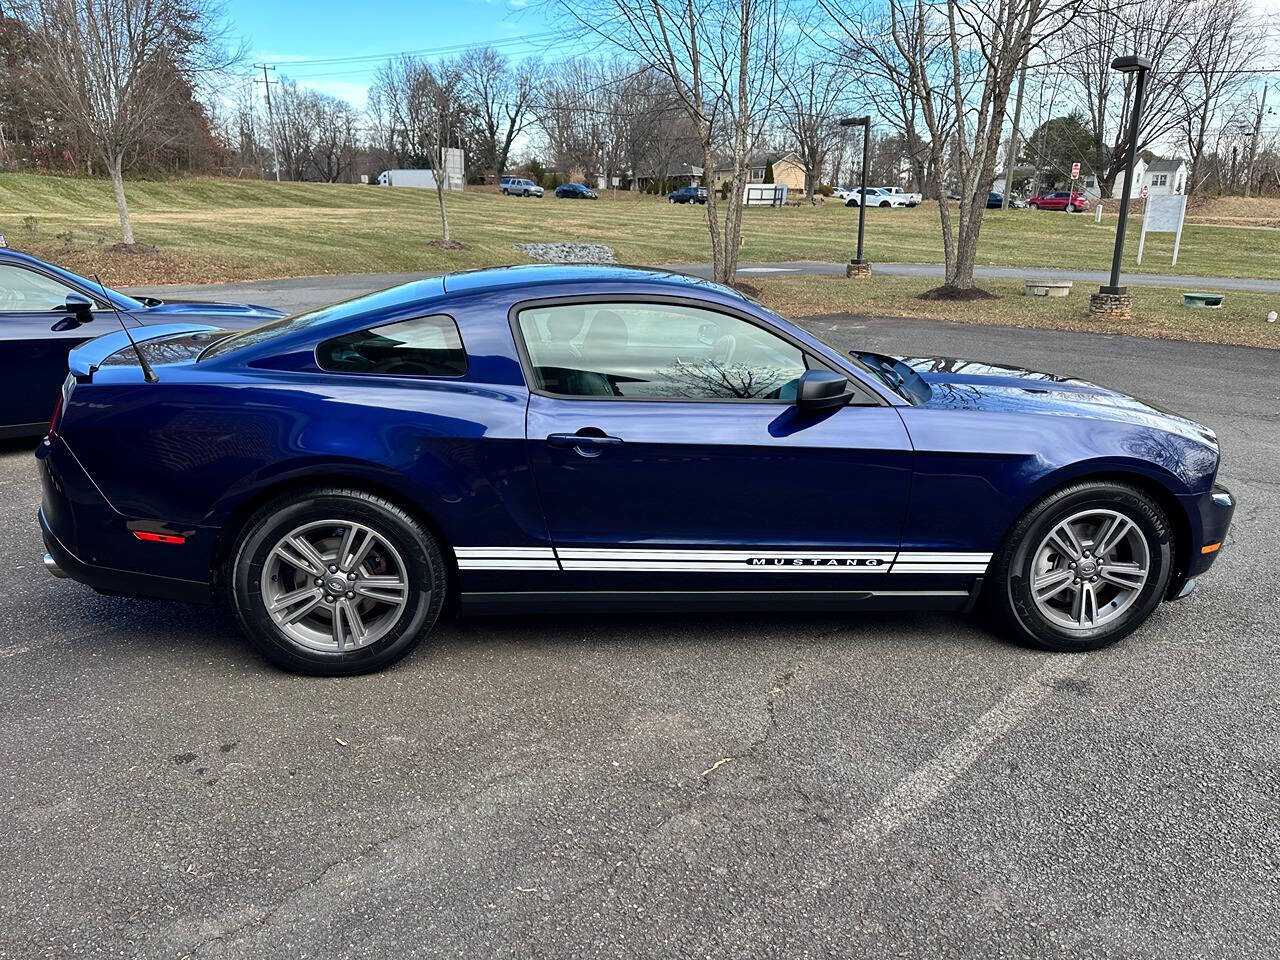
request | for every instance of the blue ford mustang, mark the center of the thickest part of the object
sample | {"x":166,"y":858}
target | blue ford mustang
{"x":45,"y":311}
{"x":592,"y":436}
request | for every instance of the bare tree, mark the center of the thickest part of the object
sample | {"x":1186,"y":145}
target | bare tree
{"x":114,"y":64}
{"x":958,"y":60}
{"x":718,"y":56}
{"x":1229,"y":38}
{"x":499,"y":96}
{"x":813,"y":93}
{"x":1159,"y":31}
{"x":424,"y":114}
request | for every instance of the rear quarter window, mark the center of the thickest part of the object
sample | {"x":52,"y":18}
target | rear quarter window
{"x":422,"y":347}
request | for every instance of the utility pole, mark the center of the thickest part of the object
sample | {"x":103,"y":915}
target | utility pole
{"x":1253,"y":142}
{"x":271,"y":120}
{"x":1012,"y":155}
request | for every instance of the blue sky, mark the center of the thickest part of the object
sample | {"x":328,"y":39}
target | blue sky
{"x":315,"y":42}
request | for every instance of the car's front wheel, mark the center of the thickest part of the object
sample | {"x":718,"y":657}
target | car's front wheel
{"x":334,"y":582}
{"x":1083,"y":568}
{"x":1034,"y":206}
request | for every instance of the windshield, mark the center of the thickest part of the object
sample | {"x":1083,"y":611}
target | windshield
{"x":894,"y":374}
{"x":897,"y":376}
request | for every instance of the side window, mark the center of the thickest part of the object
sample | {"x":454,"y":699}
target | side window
{"x":423,"y":347}
{"x":23,"y":290}
{"x":657,"y":352}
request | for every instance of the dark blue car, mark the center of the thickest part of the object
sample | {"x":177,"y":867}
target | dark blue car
{"x":548,"y":437}
{"x":46,"y":311}
{"x":688,"y":195}
{"x":576,"y":191}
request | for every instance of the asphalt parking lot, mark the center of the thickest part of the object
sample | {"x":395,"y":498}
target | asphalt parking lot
{"x":709,"y":786}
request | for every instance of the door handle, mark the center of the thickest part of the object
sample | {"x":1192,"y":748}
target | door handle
{"x":587,"y":444}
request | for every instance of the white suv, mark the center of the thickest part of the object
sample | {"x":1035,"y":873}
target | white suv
{"x":519,"y":187}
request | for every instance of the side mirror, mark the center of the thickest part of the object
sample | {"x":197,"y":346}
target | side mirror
{"x":81,"y":309}
{"x":822,"y":390}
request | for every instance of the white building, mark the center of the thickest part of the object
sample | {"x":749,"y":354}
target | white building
{"x":1165,"y":177}
{"x":1092,"y":191}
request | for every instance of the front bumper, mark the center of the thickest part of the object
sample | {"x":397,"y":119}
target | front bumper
{"x":1211,"y":515}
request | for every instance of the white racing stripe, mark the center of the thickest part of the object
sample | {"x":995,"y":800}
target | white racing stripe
{"x":763,"y":560}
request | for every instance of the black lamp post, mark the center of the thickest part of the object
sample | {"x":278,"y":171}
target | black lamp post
{"x":865,"y":123}
{"x":1141,"y":66}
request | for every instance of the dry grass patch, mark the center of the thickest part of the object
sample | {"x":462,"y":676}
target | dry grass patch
{"x":1158,"y":311}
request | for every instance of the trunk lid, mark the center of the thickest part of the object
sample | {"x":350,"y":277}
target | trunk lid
{"x":160,"y":343}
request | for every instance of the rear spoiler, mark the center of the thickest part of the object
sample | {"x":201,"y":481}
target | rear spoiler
{"x":87,"y":357}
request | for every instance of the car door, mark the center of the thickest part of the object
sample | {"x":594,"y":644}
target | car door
{"x":667,"y":452}
{"x":33,"y":356}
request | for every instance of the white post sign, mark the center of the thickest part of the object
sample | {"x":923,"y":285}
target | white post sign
{"x":1164,"y":214}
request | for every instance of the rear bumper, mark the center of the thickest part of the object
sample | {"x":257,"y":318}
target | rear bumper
{"x":61,"y":562}
{"x":89,"y":541}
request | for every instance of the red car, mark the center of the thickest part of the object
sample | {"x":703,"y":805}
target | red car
{"x":1071,"y":202}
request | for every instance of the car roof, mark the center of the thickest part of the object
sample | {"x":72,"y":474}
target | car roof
{"x":545,"y":274}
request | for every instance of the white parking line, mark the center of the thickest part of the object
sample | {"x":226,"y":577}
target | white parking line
{"x":930,"y":781}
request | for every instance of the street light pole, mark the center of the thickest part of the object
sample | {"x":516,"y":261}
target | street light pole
{"x":859,"y":266}
{"x":1141,"y":66}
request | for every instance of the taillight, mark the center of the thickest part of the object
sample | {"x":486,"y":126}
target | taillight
{"x":57,"y":415}
{"x":58,"y":408}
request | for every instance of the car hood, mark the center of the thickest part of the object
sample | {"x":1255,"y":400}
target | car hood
{"x":977,"y":385}
{"x":232,"y":315}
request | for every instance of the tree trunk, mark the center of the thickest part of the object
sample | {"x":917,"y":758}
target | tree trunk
{"x":713,"y":211}
{"x":122,"y":206}
{"x":444,"y":217}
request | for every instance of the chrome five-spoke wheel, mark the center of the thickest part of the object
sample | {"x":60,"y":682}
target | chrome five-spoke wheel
{"x":1089,"y":569}
{"x":334,"y":585}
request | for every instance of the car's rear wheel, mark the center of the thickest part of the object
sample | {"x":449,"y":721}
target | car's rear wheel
{"x":1083,"y":568}
{"x":335,"y":582}
{"x":504,"y":191}
{"x":1071,"y":208}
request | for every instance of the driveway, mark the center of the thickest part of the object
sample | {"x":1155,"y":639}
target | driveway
{"x":298,"y":293}
{"x":644,"y":786}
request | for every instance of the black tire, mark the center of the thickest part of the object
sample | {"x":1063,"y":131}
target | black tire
{"x":427,"y":577}
{"x":1007,"y":592}
{"x":504,"y":191}
{"x":526,"y":193}
{"x":886,"y":204}
{"x":1071,"y":208}
{"x":1034,"y":206}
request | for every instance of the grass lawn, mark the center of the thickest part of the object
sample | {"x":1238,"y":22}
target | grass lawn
{"x":1158,"y":311}
{"x":220,"y":229}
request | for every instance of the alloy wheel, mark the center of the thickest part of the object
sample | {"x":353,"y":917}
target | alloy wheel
{"x":334,"y":585}
{"x":1089,"y":569}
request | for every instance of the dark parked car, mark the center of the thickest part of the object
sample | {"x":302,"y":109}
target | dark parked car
{"x":1062,"y":200}
{"x":995,"y":201}
{"x":546,"y":437}
{"x":45,"y":311}
{"x":688,"y":195}
{"x":576,"y":191}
